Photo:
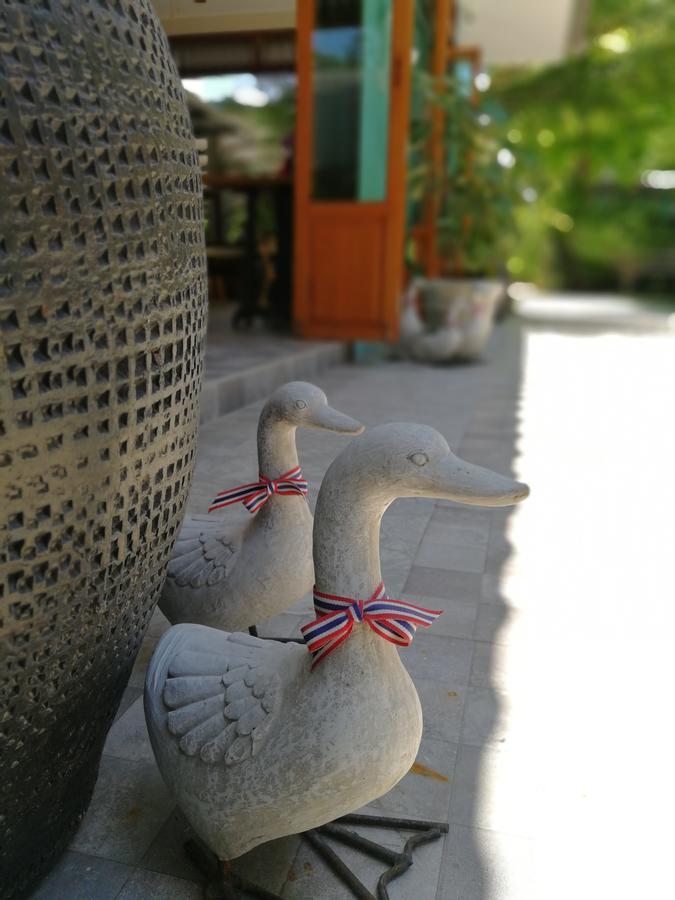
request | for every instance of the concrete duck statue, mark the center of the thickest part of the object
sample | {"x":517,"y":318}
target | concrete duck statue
{"x":258,"y":739}
{"x":232,"y":577}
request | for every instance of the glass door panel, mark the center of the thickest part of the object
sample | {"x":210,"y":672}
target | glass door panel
{"x":351,"y":51}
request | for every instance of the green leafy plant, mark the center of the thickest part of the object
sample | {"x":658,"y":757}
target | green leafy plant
{"x":474,"y":191}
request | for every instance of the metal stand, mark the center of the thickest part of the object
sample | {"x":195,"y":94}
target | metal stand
{"x":226,"y":885}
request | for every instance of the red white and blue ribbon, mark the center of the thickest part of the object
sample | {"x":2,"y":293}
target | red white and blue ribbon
{"x":394,"y":620}
{"x":256,"y":494}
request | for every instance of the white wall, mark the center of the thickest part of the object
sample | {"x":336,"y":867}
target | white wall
{"x":517,"y":31}
{"x":509,"y":31}
{"x":213,"y":16}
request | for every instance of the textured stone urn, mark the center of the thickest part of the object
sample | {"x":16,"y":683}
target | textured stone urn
{"x":102,"y":309}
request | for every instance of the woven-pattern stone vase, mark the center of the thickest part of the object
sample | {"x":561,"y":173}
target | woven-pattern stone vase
{"x":102,"y":312}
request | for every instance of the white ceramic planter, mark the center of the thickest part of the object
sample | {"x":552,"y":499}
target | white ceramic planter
{"x":447,"y":319}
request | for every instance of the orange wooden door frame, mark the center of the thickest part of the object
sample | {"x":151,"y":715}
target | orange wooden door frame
{"x":451,"y":264}
{"x":426,"y":233}
{"x":351,"y":287}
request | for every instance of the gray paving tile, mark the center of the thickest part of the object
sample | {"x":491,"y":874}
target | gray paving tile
{"x":479,"y":864}
{"x":492,"y":789}
{"x":130,"y":694}
{"x":230,"y":395}
{"x":128,"y":738}
{"x":158,"y":625}
{"x":144,"y":885}
{"x":486,"y":452}
{"x":445,"y":660}
{"x":471,"y":518}
{"x":428,"y":581}
{"x":499,"y":554}
{"x":395,"y":575}
{"x":495,"y":422}
{"x":442,"y":531}
{"x":409,"y":508}
{"x":443,"y":555}
{"x":208,"y":403}
{"x":129,"y":806}
{"x":405,"y":531}
{"x":241,"y":368}
{"x":424,"y":793}
{"x":166,"y":854}
{"x":491,"y":588}
{"x":490,"y":621}
{"x":441,"y":708}
{"x":489,"y":666}
{"x":268,"y":865}
{"x":458,"y":616}
{"x":485,"y":717}
{"x":79,"y":876}
{"x":399,"y":539}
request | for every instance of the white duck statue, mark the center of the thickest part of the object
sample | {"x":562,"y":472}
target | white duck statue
{"x":259,"y":739}
{"x":232,"y":577}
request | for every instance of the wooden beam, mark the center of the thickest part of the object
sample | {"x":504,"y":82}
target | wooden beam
{"x":444,"y":14}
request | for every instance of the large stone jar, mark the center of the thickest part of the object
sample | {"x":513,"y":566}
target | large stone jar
{"x":102,"y":310}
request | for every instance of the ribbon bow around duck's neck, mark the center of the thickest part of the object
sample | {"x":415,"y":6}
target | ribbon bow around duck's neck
{"x":256,"y":494}
{"x":394,"y":620}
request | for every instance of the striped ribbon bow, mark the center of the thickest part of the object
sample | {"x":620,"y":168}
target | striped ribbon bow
{"x":394,"y":620}
{"x":255,"y":495}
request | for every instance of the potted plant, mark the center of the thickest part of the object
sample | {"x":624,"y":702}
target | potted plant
{"x":470,"y":197}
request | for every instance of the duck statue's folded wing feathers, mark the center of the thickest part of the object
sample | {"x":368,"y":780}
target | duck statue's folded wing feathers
{"x":223,"y":691}
{"x":203,"y":554}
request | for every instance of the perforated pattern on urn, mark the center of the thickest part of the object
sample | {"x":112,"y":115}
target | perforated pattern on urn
{"x":102,"y":293}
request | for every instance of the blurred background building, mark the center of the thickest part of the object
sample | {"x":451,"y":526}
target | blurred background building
{"x":350,"y":144}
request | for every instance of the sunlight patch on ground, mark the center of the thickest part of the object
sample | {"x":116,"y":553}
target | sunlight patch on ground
{"x":583,"y":766}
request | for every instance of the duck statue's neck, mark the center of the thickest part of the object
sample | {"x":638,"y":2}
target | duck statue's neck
{"x":347,"y":536}
{"x":347,"y":564}
{"x":277,"y":452}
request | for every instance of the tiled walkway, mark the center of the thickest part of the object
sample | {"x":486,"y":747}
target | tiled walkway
{"x":546,"y":685}
{"x":241,"y":367}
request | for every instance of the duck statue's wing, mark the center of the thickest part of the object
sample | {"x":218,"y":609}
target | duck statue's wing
{"x":224,"y":691}
{"x":203,"y":553}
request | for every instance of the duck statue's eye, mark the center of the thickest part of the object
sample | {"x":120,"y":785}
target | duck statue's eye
{"x":419,"y":458}
{"x":300,"y":404}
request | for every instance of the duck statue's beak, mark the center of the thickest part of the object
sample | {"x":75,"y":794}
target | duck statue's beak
{"x":332,"y":420}
{"x":453,"y":478}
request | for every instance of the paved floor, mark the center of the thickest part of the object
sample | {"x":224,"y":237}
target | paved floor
{"x":229,"y":351}
{"x":546,"y":685}
{"x":241,"y":367}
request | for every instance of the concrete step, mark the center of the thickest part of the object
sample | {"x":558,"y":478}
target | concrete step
{"x":240,"y":369}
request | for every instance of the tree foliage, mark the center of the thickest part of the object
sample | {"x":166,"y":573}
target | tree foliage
{"x":474,"y":194}
{"x":584,"y":132}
